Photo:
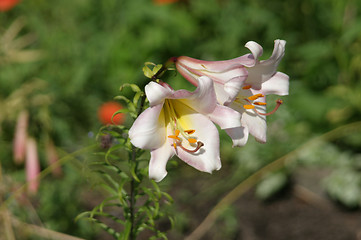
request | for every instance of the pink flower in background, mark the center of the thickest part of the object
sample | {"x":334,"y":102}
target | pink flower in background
{"x":181,"y":123}
{"x":53,"y":158}
{"x":19,"y":142}
{"x":32,"y":166}
{"x":242,"y":84}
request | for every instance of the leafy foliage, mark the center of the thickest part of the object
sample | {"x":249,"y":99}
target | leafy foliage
{"x":124,"y":173}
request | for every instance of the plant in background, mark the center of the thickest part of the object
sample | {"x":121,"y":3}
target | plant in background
{"x":28,"y":106}
{"x":181,"y":123}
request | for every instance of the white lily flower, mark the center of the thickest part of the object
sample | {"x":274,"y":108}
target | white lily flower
{"x":181,"y":123}
{"x":243,"y":92}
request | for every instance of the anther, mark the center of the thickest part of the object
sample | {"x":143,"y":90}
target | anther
{"x":260,"y":103}
{"x":254,"y":97}
{"x":189,"y":131}
{"x":248,"y":106}
{"x":174,"y":137}
{"x":246,"y":87}
{"x":199,"y":145}
{"x":192,"y":140}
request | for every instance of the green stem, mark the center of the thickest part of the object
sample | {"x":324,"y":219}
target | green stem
{"x":164,"y":68}
{"x":133,"y":183}
{"x":133,"y":159}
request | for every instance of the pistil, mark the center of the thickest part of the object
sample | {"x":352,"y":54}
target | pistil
{"x":279,"y":102}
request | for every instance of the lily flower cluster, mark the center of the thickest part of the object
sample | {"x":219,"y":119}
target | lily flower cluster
{"x":230,"y":93}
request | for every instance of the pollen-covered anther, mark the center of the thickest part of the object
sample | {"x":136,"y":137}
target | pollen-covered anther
{"x":246,"y":87}
{"x":175,"y":136}
{"x":248,"y":106}
{"x":191,"y":131}
{"x":260,"y":103}
{"x":192,"y":140}
{"x":254,"y":97}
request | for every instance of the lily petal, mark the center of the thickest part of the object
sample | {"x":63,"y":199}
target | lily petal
{"x":204,"y":98}
{"x":256,"y":51}
{"x":148,"y":130}
{"x":239,"y":135}
{"x":256,"y":123}
{"x":277,"y":54}
{"x":225,"y":117}
{"x":158,"y":161}
{"x":232,"y":88}
{"x":278,"y":84}
{"x":265,"y":69}
{"x":207,"y":158}
{"x":156,"y":93}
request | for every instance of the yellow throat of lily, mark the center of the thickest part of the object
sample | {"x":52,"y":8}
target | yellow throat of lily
{"x":174,"y":113}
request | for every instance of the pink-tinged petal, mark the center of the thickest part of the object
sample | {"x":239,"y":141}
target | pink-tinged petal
{"x":256,"y":123}
{"x":228,"y":83}
{"x":239,"y":135}
{"x":256,"y":51}
{"x":277,"y":84}
{"x":232,"y":88}
{"x":277,"y":54}
{"x":156,"y":93}
{"x":148,"y":130}
{"x":210,"y":66}
{"x":158,"y":161}
{"x":19,"y":143}
{"x":215,"y":66}
{"x":192,"y":78}
{"x":223,"y":77}
{"x":32,"y":166}
{"x":203,"y":99}
{"x":223,"y":97}
{"x":207,"y":158}
{"x":265,"y":69}
{"x":225,"y":117}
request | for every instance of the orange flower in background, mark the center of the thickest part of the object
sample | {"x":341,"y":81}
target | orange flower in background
{"x":160,"y":2}
{"x":107,"y":110}
{"x":6,"y":5}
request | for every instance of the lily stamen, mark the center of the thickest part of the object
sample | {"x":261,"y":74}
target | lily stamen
{"x":192,"y":140}
{"x":246,"y":87}
{"x":175,"y":136}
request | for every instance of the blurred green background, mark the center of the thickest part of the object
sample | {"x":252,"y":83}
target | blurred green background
{"x":68,"y":57}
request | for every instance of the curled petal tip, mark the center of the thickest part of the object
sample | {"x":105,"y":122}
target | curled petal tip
{"x":255,"y":49}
